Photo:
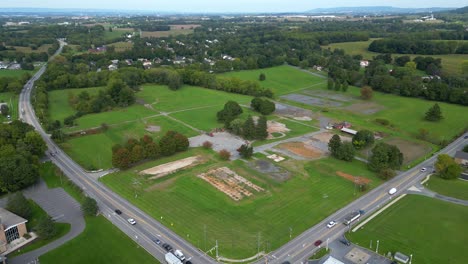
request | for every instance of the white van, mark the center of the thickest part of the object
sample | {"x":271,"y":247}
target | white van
{"x":392,"y":191}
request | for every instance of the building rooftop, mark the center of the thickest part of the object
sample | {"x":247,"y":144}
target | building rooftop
{"x":461,"y":155}
{"x":332,"y":260}
{"x":9,"y":219}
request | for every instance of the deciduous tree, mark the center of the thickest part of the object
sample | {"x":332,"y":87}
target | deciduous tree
{"x":89,"y":206}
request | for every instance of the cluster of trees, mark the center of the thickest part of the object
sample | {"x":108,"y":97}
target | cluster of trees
{"x":341,"y":150}
{"x":447,"y":168}
{"x":246,"y":151}
{"x":385,"y":159}
{"x":230,"y":111}
{"x":20,"y":149}
{"x":13,"y":84}
{"x":137,"y":150}
{"x":337,"y":85}
{"x":415,"y":46}
{"x":263,"y":106}
{"x":19,"y":205}
{"x":363,"y":139}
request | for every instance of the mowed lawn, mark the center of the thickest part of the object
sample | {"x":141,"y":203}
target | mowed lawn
{"x":59,"y":107}
{"x":456,"y":188}
{"x":281,"y":79}
{"x":14,"y":73}
{"x":101,"y":242}
{"x":433,"y":231}
{"x":189,"y":205}
{"x":95,"y":151}
{"x":12,"y":100}
{"x":187,"y":97}
{"x":451,"y":63}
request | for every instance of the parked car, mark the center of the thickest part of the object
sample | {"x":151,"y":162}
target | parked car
{"x":117,"y":211}
{"x":131,"y":221}
{"x":331,"y":224}
{"x":423,"y":169}
{"x":318,"y":243}
{"x":345,"y":242}
{"x":392,"y":191}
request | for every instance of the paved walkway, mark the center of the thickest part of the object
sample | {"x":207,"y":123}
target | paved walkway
{"x":62,"y":208}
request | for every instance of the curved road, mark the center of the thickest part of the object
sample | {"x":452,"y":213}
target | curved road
{"x":146,"y":228}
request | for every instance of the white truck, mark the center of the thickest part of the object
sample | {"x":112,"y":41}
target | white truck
{"x":172,"y":259}
{"x":179,"y":254}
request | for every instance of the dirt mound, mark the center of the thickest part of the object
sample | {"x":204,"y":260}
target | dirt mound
{"x":273,"y":126}
{"x":301,"y":149}
{"x":171,"y":167}
{"x":271,"y":170}
{"x":349,"y":177}
{"x":153,"y":129}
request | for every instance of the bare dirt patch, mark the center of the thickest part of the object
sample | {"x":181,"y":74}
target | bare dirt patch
{"x":301,"y":149}
{"x":411,"y":150}
{"x":161,"y":185}
{"x":153,"y":129}
{"x":230,"y":183}
{"x":326,"y":136}
{"x":292,"y":111}
{"x":310,"y":100}
{"x":172,"y":167}
{"x":271,"y":170}
{"x":329,"y":95}
{"x":355,"y":179}
{"x":365,"y":108}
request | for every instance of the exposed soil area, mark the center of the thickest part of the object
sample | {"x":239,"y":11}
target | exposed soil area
{"x":301,"y":149}
{"x":410,"y":150}
{"x":171,"y":167}
{"x":355,"y":179}
{"x":271,"y":170}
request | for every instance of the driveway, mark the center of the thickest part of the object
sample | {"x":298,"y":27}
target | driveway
{"x":62,"y":208}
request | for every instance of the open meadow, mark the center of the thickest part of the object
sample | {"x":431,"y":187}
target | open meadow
{"x":14,"y":73}
{"x":456,"y":188}
{"x":433,"y":231}
{"x":451,"y":63}
{"x":191,"y":206}
{"x":281,"y":79}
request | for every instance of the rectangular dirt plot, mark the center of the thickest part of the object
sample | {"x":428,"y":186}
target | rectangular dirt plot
{"x":230,"y":183}
{"x":309,"y":100}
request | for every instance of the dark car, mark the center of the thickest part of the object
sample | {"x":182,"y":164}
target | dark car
{"x":345,"y":242}
{"x":117,"y":211}
{"x":318,"y":243}
{"x":157,"y":241}
{"x":188,"y":262}
{"x":465,"y":137}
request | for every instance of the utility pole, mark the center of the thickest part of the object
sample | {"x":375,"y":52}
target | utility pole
{"x":410,"y":258}
{"x":377,"y":248}
{"x":290,"y":233}
{"x":327,"y":243}
{"x":204,"y":230}
{"x":370,"y":244}
{"x":258,"y":243}
{"x":216,"y":249}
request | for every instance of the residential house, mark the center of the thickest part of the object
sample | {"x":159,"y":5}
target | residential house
{"x":112,"y":67}
{"x":364,"y":63}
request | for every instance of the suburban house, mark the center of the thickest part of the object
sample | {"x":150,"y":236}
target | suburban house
{"x":11,"y":227}
{"x":461,"y":158}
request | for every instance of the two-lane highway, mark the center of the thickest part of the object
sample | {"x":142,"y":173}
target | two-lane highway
{"x":146,"y":229}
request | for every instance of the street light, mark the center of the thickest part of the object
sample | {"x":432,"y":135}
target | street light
{"x":377,"y":248}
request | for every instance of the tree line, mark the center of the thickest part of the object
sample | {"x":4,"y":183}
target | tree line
{"x":134,"y":151}
{"x":413,"y":46}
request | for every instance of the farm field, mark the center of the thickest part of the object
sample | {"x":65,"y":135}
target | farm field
{"x":281,"y":79}
{"x":121,"y":46}
{"x":100,"y":242}
{"x":454,"y":188}
{"x":189,"y":205}
{"x":12,"y":100}
{"x":14,"y":73}
{"x":42,"y":48}
{"x":432,"y":236}
{"x":174,"y":31}
{"x":450,"y":62}
{"x":95,"y":151}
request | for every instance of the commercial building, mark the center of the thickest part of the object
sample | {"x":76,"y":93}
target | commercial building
{"x":11,"y":227}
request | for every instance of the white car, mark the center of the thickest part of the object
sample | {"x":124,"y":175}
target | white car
{"x":331,"y":224}
{"x":131,"y":221}
{"x":423,"y":169}
{"x":392,"y":191}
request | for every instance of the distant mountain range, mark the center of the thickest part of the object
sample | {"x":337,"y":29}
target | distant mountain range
{"x":378,"y":10}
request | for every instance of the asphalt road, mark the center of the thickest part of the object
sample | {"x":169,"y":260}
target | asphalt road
{"x":146,"y":228}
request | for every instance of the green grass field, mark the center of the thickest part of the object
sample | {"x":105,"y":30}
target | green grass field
{"x":451,"y":63}
{"x":12,"y":100}
{"x":281,"y":79}
{"x":54,"y":178}
{"x":59,"y":108}
{"x":433,"y":231}
{"x":454,"y":188}
{"x":188,"y":204}
{"x":101,"y":242}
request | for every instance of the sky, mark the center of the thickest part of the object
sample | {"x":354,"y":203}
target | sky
{"x":224,"y":5}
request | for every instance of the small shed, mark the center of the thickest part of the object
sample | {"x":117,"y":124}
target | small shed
{"x":401,"y":257}
{"x":349,"y":131}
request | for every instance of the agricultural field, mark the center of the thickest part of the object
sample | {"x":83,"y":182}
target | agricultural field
{"x":432,"y":236}
{"x":42,"y":48}
{"x":99,"y":243}
{"x":456,"y":188}
{"x":451,"y":63}
{"x":282,"y":79}
{"x":121,"y":46}
{"x":174,"y":31}
{"x":12,"y":100}
{"x":190,"y":205}
{"x":14,"y":73}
